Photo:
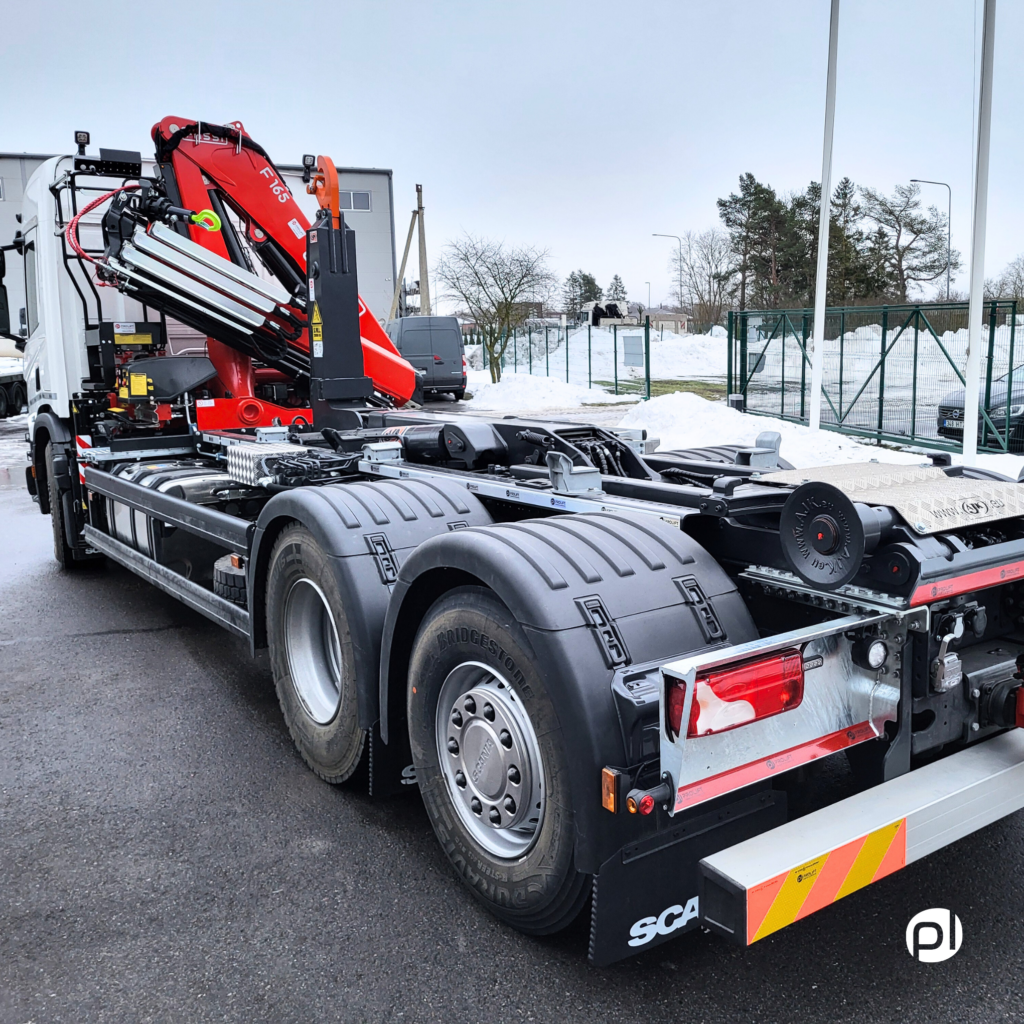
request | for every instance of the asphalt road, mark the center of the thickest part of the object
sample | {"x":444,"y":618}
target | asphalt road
{"x":165,"y":856}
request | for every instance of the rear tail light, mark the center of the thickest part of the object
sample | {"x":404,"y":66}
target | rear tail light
{"x":738,"y":694}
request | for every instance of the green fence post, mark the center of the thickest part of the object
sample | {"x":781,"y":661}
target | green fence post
{"x":913,"y":388}
{"x":483,"y":352}
{"x":566,"y":353}
{"x":988,"y":373}
{"x":615,"y":355}
{"x":590,"y":382}
{"x":547,"y":354}
{"x":515,"y":351}
{"x":803,"y":364}
{"x":782,"y":386}
{"x":728,"y":355}
{"x":743,"y":358}
{"x":529,"y":342}
{"x":647,"y":355}
{"x":881,"y":370}
{"x":842,"y":342}
{"x":1009,"y":376}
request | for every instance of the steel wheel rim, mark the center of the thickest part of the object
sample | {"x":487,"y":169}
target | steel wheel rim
{"x":314,"y":652}
{"x":490,"y":758}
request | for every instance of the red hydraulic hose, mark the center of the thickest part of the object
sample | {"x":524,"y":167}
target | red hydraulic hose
{"x":71,"y":233}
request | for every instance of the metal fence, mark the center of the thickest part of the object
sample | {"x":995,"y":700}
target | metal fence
{"x":622,"y":359}
{"x":892,"y":373}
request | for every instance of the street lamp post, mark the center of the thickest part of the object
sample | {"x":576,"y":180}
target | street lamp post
{"x":658,"y":234}
{"x":949,"y":225}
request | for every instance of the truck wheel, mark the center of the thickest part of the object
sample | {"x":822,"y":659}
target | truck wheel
{"x":18,"y":398}
{"x":4,"y":403}
{"x":62,"y":550}
{"x":491,"y":762}
{"x":311,"y":656}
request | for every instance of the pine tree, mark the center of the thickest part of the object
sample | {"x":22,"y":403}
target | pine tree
{"x":572,"y":296}
{"x":590,"y":291}
{"x":616,"y":291}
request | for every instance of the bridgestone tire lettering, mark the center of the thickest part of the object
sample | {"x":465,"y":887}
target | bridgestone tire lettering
{"x":540,"y":892}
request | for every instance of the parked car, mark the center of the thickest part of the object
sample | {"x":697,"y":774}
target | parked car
{"x":433,"y":344}
{"x":951,"y":411}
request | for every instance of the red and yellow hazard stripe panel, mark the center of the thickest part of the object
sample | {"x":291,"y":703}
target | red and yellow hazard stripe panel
{"x":794,"y":894}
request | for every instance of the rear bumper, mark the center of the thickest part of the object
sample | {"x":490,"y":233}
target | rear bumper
{"x":764,"y":884}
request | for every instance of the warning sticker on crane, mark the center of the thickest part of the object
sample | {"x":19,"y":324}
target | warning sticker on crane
{"x":808,"y":887}
{"x":317,"y":323}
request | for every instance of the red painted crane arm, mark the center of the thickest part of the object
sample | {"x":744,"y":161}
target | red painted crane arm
{"x":224,"y":160}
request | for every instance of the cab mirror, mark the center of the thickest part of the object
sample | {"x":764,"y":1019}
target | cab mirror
{"x":5,"y":313}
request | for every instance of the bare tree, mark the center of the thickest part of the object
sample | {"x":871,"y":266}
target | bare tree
{"x":497,"y":285}
{"x":916,"y":244}
{"x":704,"y":266}
{"x":1010,"y":283}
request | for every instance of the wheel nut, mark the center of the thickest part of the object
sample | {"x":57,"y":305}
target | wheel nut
{"x":510,"y":805}
{"x":513,"y":775}
{"x":457,"y":718}
{"x":495,"y":816}
{"x":506,"y":739}
{"x":470,"y":706}
{"x":453,"y":745}
{"x":460,"y":780}
{"x":489,"y":712}
{"x":476,"y":805}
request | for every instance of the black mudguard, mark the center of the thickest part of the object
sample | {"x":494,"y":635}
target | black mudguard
{"x":594,"y":593}
{"x":647,"y":892}
{"x":368,"y":530}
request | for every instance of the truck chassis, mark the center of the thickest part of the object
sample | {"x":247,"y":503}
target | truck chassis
{"x":610,"y":670}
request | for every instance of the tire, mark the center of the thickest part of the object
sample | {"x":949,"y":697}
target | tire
{"x":311,"y":656}
{"x":228,"y":582}
{"x":521,"y":869}
{"x":460,"y":394}
{"x":63,"y":552}
{"x":18,"y":400}
{"x":4,"y":403}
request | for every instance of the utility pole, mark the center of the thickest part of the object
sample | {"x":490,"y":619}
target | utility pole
{"x":405,"y":259}
{"x":949,"y":225}
{"x":821,"y":278}
{"x":979,"y":219}
{"x":424,"y":283}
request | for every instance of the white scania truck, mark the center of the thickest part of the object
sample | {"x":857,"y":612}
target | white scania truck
{"x":612,"y":671}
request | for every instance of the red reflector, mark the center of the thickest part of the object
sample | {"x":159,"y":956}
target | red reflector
{"x":646,"y":804}
{"x":738,"y":694}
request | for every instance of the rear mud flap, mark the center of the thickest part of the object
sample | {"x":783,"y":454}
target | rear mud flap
{"x":647,"y":893}
{"x":391,"y":768}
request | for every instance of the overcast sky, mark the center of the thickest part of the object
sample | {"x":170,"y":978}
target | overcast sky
{"x":578,"y":127}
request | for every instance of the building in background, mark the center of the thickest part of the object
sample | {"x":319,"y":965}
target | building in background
{"x":367,"y":200}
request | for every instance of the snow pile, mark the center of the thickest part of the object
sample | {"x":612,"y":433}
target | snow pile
{"x":684,"y":420}
{"x":516,"y":393}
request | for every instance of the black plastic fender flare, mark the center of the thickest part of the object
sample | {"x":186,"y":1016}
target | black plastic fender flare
{"x":593,"y":592}
{"x":56,"y":430}
{"x":367,"y":530}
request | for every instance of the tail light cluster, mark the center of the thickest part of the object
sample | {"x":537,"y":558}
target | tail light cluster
{"x":737,"y":694}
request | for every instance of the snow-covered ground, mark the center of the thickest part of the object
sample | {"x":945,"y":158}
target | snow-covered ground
{"x":673,"y":356}
{"x":685,"y":420}
{"x":520,"y":392}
